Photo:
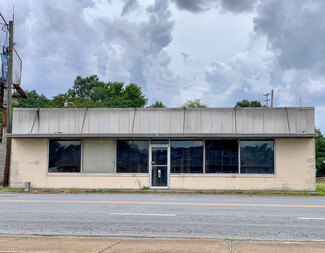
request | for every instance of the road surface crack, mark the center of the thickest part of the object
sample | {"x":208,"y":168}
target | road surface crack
{"x":109,"y":247}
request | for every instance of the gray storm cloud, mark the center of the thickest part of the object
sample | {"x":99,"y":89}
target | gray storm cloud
{"x":131,"y":43}
{"x":129,"y":5}
{"x":295,"y":31}
{"x":235,"y":6}
{"x":58,"y":42}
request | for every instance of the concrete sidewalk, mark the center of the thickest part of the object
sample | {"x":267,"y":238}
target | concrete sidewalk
{"x":101,"y":245}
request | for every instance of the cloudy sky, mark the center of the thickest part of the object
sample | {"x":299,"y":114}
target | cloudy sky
{"x":220,"y":51}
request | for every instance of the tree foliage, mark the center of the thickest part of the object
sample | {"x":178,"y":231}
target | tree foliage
{"x":196,"y":103}
{"x":320,"y":154}
{"x":157,"y":104}
{"x":89,"y":92}
{"x":84,"y":87}
{"x":34,"y":101}
{"x":115,"y":95}
{"x":247,"y":103}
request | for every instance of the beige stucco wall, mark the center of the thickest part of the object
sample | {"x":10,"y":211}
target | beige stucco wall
{"x":294,"y":170}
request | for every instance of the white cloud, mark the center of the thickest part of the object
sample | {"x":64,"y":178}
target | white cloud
{"x":243,"y":76}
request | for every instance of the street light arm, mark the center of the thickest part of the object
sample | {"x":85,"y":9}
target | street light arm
{"x":66,"y":104}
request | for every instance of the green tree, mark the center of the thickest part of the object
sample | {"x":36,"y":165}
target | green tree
{"x":247,"y":103}
{"x":157,"y":104}
{"x":83,"y":87}
{"x":133,"y":96}
{"x":115,"y":96}
{"x":320,"y":154}
{"x":34,"y":101}
{"x":89,"y":92}
{"x":196,"y":103}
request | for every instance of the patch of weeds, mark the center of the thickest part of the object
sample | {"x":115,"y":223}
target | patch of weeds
{"x":113,"y":191}
{"x":11,"y":189}
{"x":145,"y":188}
{"x":303,"y":194}
{"x":320,"y":187}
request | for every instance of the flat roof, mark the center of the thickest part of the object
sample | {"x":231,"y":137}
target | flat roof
{"x":249,"y":122}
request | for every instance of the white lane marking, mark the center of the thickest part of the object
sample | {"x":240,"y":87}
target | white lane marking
{"x":146,"y":214}
{"x":307,"y":218}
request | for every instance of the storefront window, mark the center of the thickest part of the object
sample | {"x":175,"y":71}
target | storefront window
{"x":132,"y":156}
{"x":98,"y":156}
{"x":64,"y":156}
{"x":257,"y":157}
{"x":186,"y":157}
{"x":221,"y":156}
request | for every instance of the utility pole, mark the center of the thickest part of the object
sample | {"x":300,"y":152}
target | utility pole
{"x":267,"y":99}
{"x":8,"y":111}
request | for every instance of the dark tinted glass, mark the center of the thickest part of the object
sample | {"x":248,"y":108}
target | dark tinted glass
{"x":186,"y":156}
{"x":64,"y":156}
{"x":221,"y":156}
{"x":159,"y":155}
{"x":132,"y":156}
{"x":159,"y":175}
{"x":257,"y":157}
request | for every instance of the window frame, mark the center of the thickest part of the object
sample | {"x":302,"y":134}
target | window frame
{"x":274,"y":156}
{"x":148,"y":154}
{"x":48,"y":156}
{"x":238,"y":149}
{"x":131,"y":173}
{"x":239,"y":156}
{"x":203,"y":157}
{"x":99,"y":173}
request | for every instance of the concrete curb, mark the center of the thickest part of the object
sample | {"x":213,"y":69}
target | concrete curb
{"x":45,"y":243}
{"x":136,"y":237}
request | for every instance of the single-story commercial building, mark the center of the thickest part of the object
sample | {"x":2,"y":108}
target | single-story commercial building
{"x":174,"y":148}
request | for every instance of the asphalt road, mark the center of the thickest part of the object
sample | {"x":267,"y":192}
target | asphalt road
{"x":204,"y":216}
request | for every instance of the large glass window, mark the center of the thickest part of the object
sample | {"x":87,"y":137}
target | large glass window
{"x":98,"y":156}
{"x":186,"y":157}
{"x":257,"y":157}
{"x":221,"y":156}
{"x":64,"y":156}
{"x":132,"y":156}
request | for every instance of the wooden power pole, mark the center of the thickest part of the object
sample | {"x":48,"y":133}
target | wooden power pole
{"x":9,"y":96}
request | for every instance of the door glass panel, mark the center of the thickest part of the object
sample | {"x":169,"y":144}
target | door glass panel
{"x":159,"y":166}
{"x":159,"y":155}
{"x":159,"y":176}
